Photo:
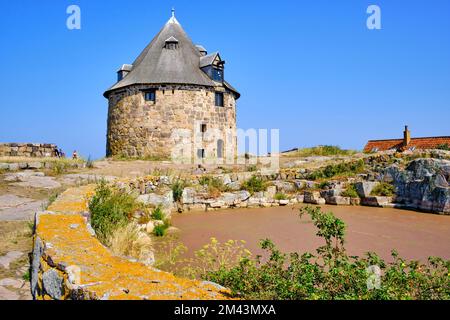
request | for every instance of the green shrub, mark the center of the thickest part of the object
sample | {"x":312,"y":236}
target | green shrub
{"x":177,"y":190}
{"x":330,"y":274}
{"x":215,"y":185}
{"x":321,"y":151}
{"x":350,"y":192}
{"x":110,"y":209}
{"x":280,"y":196}
{"x":27,"y":276}
{"x":254,"y":184}
{"x":158,"y":214}
{"x":252,"y":168}
{"x":161,"y":229}
{"x":444,"y":146}
{"x":323,"y":185}
{"x":384,"y":190}
{"x":212,"y":182}
{"x":341,"y":169}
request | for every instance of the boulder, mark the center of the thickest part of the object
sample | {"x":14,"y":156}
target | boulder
{"x":229,"y":198}
{"x":270,"y":192}
{"x":53,"y":284}
{"x":299,"y":184}
{"x":34,"y":165}
{"x":331,"y":193}
{"x":313,"y":197}
{"x":13,"y":167}
{"x":226,"y":179}
{"x":376,"y":201}
{"x":188,"y":196}
{"x":338,"y":200}
{"x":234,"y":186}
{"x":284,"y":186}
{"x":365,"y":188}
{"x":153,"y":199}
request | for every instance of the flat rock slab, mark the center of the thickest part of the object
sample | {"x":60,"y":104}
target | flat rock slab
{"x":10,"y":257}
{"x":9,"y":282}
{"x":13,"y":208}
{"x":6,"y":294}
{"x":74,"y":178}
{"x":32,"y":179}
{"x":11,"y":200}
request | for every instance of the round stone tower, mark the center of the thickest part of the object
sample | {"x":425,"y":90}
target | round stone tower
{"x":173,"y":97}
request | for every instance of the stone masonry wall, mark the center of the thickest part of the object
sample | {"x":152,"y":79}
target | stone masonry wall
{"x":68,"y":262}
{"x":139,"y":128}
{"x":30,"y":150}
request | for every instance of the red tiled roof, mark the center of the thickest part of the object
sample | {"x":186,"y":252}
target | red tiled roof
{"x":417,"y":143}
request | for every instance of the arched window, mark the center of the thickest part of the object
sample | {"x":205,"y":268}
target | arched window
{"x":220,"y":148}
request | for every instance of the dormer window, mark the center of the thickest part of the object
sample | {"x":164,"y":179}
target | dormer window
{"x":213,"y":66}
{"x":217,"y":75}
{"x":171,"y":43}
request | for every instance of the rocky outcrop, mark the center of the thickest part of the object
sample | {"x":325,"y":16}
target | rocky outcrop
{"x":422,"y":185}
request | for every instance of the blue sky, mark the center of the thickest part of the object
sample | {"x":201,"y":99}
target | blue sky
{"x":310,"y":68}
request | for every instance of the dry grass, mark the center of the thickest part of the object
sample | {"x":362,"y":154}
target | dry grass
{"x":43,"y":159}
{"x":129,"y":241}
{"x":15,"y":236}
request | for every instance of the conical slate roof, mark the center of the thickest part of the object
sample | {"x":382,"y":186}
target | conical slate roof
{"x":158,"y":65}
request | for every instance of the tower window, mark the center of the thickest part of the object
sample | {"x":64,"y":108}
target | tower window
{"x":203,"y":128}
{"x":150,"y":95}
{"x":219,"y":99}
{"x":201,"y":153}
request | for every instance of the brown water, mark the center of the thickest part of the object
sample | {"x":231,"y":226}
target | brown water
{"x":415,"y":235}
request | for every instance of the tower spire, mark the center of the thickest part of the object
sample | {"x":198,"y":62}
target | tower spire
{"x":172,"y":18}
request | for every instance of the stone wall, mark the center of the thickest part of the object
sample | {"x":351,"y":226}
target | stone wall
{"x":68,"y":262}
{"x":139,"y":128}
{"x":30,"y":150}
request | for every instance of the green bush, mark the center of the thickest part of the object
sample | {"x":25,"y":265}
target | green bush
{"x":322,"y":151}
{"x":350,"y":192}
{"x":280,"y":196}
{"x":254,"y":184}
{"x":384,"y":190}
{"x":215,"y":185}
{"x":341,"y":169}
{"x":210,"y":181}
{"x":177,"y":190}
{"x":323,"y":185}
{"x":161,"y":229}
{"x":158,"y":214}
{"x":110,"y":209}
{"x":444,"y":146}
{"x":330,"y":274}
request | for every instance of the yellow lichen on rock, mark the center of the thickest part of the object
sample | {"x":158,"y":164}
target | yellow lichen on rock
{"x":85,"y":269}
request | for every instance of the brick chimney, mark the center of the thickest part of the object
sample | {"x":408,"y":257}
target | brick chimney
{"x":406,"y":137}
